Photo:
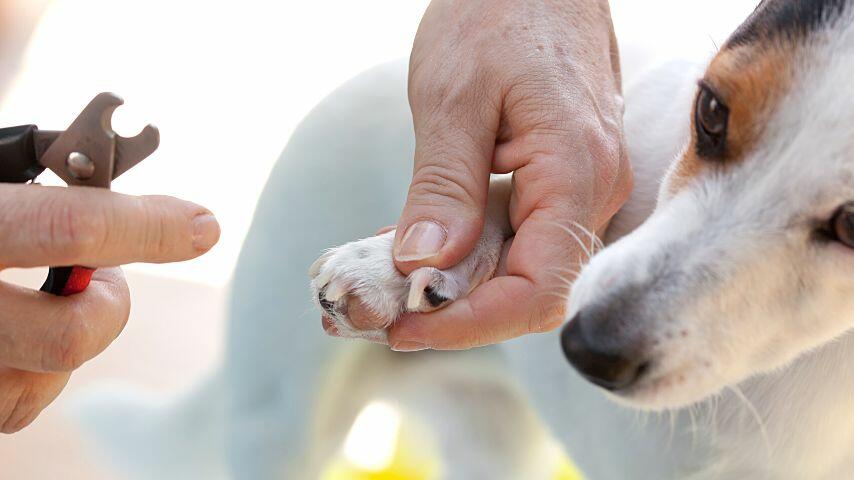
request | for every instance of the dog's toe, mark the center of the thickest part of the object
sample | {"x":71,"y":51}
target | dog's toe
{"x":431,"y":289}
{"x":327,"y":305}
{"x":434,"y":298}
{"x":315,"y":269}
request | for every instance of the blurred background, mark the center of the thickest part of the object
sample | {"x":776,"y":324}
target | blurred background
{"x":226,"y":82}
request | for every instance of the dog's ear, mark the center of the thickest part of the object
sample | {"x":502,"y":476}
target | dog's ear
{"x":787,"y":19}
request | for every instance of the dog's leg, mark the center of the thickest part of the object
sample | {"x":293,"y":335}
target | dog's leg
{"x":320,"y":193}
{"x":364,"y":271}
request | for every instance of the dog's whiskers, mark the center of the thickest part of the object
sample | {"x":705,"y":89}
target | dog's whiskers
{"x":559,"y":295}
{"x":571,"y":271}
{"x":579,"y":264}
{"x":694,"y":430}
{"x":567,"y":277}
{"x":565,"y":282}
{"x":595,"y":241}
{"x":755,"y":413}
{"x":644,"y":418}
{"x":672,"y":414}
{"x":713,"y":417}
{"x":587,"y":251}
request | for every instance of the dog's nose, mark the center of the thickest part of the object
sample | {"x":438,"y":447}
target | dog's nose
{"x":600,"y":357}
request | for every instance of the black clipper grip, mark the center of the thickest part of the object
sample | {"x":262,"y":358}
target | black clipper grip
{"x":18,"y":162}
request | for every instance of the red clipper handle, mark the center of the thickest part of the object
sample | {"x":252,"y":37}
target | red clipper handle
{"x":65,"y":281}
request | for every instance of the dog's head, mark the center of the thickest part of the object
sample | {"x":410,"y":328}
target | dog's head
{"x":748,"y":261}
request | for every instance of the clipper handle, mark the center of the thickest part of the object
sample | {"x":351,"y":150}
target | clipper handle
{"x":65,"y":281}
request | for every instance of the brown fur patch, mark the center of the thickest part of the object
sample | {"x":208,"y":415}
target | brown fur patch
{"x":750,"y":80}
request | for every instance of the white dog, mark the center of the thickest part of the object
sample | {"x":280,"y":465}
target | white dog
{"x":743,"y":276}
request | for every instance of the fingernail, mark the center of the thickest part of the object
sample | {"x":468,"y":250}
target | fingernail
{"x":205,"y":232}
{"x":408,"y":347}
{"x":421,"y":241}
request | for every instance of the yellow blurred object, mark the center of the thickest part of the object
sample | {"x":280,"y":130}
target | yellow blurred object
{"x":406,"y":464}
{"x":386,"y":444}
{"x":383,"y":445}
{"x":566,"y":470}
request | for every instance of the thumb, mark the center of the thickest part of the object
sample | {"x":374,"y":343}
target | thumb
{"x":445,"y":208}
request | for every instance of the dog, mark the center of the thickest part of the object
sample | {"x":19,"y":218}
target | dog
{"x":744,"y":251}
{"x":727,"y":286}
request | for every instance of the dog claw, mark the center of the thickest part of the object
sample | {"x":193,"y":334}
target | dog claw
{"x":314,"y":269}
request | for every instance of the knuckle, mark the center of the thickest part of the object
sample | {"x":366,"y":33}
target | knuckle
{"x":451,"y":92}
{"x":623,"y":178}
{"x":155,"y":238}
{"x":444,"y":97}
{"x":549,"y":182}
{"x":613,"y":177}
{"x":610,"y":155}
{"x":67,"y":345}
{"x":439,"y":185}
{"x":430,"y":83}
{"x":68,"y":229}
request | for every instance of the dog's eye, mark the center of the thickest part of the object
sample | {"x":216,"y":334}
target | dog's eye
{"x":842,"y":225}
{"x":711,"y":121}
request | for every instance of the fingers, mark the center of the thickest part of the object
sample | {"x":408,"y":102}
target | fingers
{"x":40,"y":332}
{"x":530,"y":299}
{"x":23,"y":395}
{"x":455,"y":138}
{"x":555,"y":206}
{"x":561,"y":136}
{"x":42,"y":226}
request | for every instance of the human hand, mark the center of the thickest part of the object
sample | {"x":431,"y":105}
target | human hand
{"x":43,"y":338}
{"x":500,"y":86}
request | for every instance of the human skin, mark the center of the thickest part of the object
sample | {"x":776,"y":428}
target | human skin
{"x":501,"y":86}
{"x":44,"y":338}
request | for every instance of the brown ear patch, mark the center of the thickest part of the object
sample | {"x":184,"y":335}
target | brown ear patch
{"x":750,"y":80}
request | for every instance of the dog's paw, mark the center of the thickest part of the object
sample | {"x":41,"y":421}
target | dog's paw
{"x":361,"y":276}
